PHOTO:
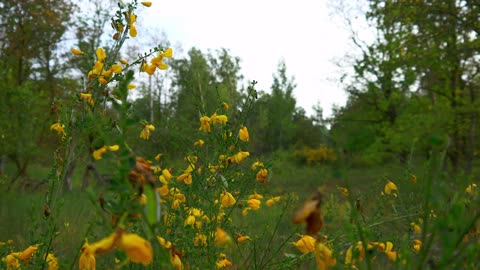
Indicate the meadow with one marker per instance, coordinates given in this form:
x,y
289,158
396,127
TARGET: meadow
x,y
223,179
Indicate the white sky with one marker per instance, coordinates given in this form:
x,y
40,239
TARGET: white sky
x,y
261,33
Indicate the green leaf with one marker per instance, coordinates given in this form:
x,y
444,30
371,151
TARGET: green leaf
x,y
152,207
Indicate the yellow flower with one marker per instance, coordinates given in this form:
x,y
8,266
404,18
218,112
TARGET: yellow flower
x,y
238,157
116,68
257,164
12,261
87,259
76,51
254,204
416,228
262,175
255,196
243,134
59,128
389,187
200,239
131,86
323,256
205,124
137,249
273,200
52,262
306,244
97,154
199,143
145,134
417,244
189,221
104,245
113,148
168,53
359,254
392,255
222,238
243,238
175,260
471,189
147,4
223,262
123,61
227,199
158,62
219,119
164,243
225,106
101,55
87,98
131,20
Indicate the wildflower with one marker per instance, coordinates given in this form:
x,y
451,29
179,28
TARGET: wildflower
x,y
113,148
101,55
11,261
227,199
238,157
256,196
219,119
262,175
257,164
87,98
158,157
87,259
77,51
116,68
205,124
272,201
471,189
123,61
147,4
243,134
131,20
145,133
222,238
52,261
323,256
243,238
344,190
245,211
254,204
97,154
306,244
414,179
149,69
59,128
389,187
416,228
165,177
186,177
225,106
175,260
392,255
223,262
189,221
199,143
353,256
137,249
417,244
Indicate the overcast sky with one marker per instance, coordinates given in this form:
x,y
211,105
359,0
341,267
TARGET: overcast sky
x,y
261,33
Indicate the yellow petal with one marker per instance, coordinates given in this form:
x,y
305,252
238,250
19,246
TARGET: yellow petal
x,y
137,249
76,51
147,4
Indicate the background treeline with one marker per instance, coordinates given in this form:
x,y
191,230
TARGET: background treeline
x,y
414,87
